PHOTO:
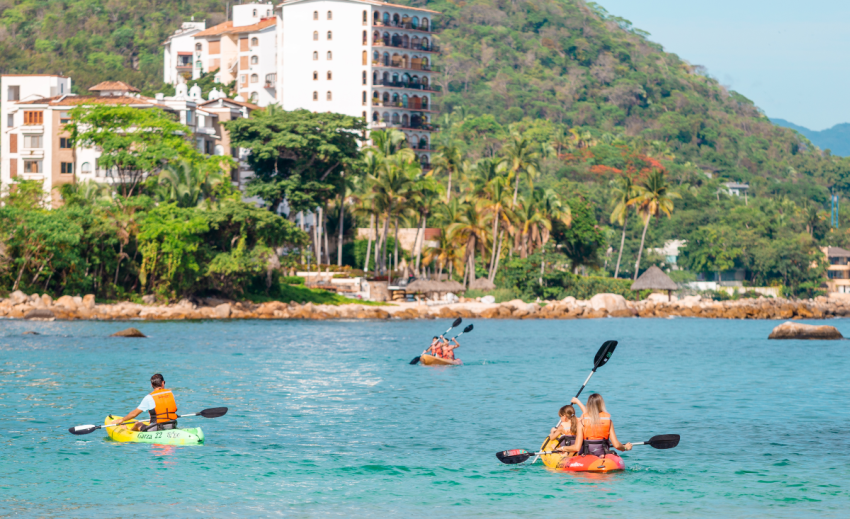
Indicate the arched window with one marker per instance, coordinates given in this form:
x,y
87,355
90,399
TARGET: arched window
x,y
330,75
198,46
425,44
386,77
255,78
396,118
315,56
424,24
365,58
405,41
364,77
386,97
330,35
364,97
315,15
377,18
423,160
423,143
315,75
365,37
386,18
364,115
424,102
330,15
254,13
254,97
375,96
85,169
425,81
255,42
199,64
415,22
386,59
386,38
395,99
374,117
255,60
330,55
329,96
315,96
385,117
395,19
404,121
365,17
404,100
315,35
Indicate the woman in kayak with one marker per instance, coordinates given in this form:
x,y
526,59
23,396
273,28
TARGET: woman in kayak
x,y
449,349
435,348
569,431
597,427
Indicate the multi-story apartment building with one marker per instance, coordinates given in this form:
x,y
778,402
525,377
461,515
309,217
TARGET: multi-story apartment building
x,y
178,51
34,144
241,50
362,58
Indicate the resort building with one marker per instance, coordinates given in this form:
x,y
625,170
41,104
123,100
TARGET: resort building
x,y
36,146
178,52
241,50
361,58
838,274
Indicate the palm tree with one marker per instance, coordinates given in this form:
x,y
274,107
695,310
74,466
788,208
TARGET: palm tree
x,y
520,158
449,160
471,230
622,195
425,193
653,198
497,204
531,222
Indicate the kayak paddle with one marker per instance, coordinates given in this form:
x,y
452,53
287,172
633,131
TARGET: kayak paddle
x,y
213,412
454,325
512,457
465,330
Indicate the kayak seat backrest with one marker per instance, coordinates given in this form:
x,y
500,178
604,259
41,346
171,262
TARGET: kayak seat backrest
x,y
164,426
598,448
566,441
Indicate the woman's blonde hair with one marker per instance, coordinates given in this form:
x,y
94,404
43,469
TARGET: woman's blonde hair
x,y
568,414
595,405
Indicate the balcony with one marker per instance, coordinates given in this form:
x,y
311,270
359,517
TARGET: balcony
x,y
32,128
408,26
271,79
414,125
406,66
407,85
398,44
401,106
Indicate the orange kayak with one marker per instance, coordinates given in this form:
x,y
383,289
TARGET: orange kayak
x,y
589,463
430,360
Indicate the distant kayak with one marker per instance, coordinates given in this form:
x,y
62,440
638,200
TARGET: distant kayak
x,y
430,360
589,463
122,433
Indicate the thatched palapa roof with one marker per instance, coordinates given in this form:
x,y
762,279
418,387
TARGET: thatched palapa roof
x,y
483,284
654,279
423,285
452,286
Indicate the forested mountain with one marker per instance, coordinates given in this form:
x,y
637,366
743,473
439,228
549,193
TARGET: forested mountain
x,y
835,139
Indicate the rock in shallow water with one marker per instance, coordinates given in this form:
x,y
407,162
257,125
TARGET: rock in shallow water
x,y
129,332
792,330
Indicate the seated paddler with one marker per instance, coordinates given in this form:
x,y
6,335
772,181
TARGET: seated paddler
x,y
598,428
161,406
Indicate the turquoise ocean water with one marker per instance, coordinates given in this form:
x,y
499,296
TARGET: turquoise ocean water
x,y
328,419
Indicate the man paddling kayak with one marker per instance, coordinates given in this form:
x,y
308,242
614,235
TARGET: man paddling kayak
x,y
449,349
161,406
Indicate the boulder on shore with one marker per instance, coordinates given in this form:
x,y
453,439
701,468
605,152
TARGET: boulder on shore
x,y
40,314
129,332
792,330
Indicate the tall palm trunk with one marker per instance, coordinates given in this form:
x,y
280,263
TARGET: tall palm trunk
x,y
449,188
421,243
377,246
516,186
622,244
395,246
498,256
339,241
325,234
373,225
301,217
493,253
471,247
640,251
385,243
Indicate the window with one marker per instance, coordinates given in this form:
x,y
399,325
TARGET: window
x,y
67,168
10,120
198,47
329,96
33,141
64,118
33,118
315,15
208,147
364,77
330,75
315,96
315,55
330,15
85,169
315,75
255,60
243,79
254,13
32,166
330,55
330,35
255,97
315,35
14,93
188,117
364,115
365,58
365,19
365,37
255,78
198,64
65,143
364,97
255,42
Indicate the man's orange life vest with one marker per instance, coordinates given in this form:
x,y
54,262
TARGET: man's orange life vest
x,y
166,407
600,431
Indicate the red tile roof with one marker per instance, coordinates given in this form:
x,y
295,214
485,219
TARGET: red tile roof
x,y
228,28
113,85
74,100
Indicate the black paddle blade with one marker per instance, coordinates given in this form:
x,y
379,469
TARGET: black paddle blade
x,y
467,329
513,457
604,353
414,361
457,322
214,412
83,429
664,441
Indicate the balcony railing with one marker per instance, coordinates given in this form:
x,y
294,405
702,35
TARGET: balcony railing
x,y
406,84
409,126
401,45
271,79
406,66
399,104
403,25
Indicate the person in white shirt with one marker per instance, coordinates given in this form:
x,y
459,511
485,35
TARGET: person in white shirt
x,y
161,406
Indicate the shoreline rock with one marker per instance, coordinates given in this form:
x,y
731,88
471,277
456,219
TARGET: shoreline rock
x,y
792,330
66,308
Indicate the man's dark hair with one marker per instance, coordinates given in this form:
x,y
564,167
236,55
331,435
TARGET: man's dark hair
x,y
157,380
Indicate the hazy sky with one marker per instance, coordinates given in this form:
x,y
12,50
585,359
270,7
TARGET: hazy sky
x,y
790,57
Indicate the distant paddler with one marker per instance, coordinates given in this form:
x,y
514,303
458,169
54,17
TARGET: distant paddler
x,y
161,406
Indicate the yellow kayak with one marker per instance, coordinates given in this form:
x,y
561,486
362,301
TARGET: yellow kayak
x,y
122,433
430,360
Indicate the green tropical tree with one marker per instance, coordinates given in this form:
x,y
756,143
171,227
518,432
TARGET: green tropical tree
x,y
653,198
520,158
622,197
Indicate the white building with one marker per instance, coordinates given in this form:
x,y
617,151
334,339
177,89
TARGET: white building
x,y
361,58
242,50
178,50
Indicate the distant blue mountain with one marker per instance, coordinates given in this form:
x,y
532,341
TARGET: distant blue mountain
x,y
835,139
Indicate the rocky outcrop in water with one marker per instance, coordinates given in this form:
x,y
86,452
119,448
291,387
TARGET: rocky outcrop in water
x,y
790,330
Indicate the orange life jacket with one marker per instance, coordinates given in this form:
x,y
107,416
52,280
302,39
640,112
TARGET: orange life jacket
x,y
166,407
597,432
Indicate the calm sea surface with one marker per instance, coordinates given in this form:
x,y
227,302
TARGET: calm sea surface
x,y
328,419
